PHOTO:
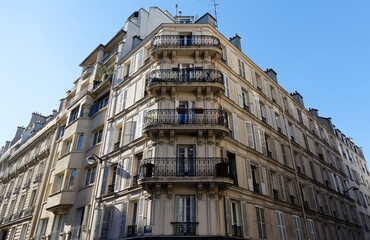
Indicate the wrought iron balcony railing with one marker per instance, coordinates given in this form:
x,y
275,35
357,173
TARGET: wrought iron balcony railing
x,y
184,167
184,228
171,41
237,231
186,76
131,230
185,116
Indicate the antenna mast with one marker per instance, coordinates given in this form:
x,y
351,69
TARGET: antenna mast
x,y
215,6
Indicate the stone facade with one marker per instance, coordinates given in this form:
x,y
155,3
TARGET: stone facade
x,y
185,137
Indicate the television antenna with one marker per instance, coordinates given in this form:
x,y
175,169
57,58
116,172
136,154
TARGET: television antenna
x,y
215,4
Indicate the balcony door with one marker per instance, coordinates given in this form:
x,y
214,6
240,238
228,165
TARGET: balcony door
x,y
184,115
186,39
186,160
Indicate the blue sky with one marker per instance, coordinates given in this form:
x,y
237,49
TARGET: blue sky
x,y
319,48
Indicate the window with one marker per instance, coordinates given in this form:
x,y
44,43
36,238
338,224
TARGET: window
x,y
90,176
134,213
12,233
298,227
79,142
58,182
285,160
67,146
61,131
41,229
23,231
281,225
58,227
102,103
122,100
235,210
32,198
260,213
74,114
249,133
72,177
185,210
99,104
312,230
241,68
21,203
227,88
11,208
97,137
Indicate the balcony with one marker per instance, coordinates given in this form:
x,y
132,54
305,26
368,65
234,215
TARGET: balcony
x,y
184,228
198,169
186,120
60,200
185,80
186,45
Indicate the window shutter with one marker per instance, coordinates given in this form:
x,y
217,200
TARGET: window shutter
x,y
235,127
132,65
263,85
252,107
254,78
268,115
287,189
273,116
288,127
262,179
228,216
106,220
272,148
283,129
240,97
259,113
281,186
245,219
257,139
263,142
140,58
227,88
268,89
141,123
269,182
110,141
339,185
240,66
140,216
249,174
143,86
295,134
128,171
122,233
98,224
249,132
129,132
298,227
104,181
117,186
296,192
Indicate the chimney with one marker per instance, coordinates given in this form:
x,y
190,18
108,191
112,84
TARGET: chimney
x,y
298,97
272,74
314,112
236,41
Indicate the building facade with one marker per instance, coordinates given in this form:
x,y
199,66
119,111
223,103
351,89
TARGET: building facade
x,y
185,136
